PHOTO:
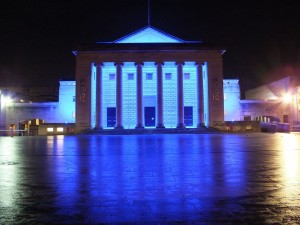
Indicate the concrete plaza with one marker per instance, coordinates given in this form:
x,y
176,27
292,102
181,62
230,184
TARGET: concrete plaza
x,y
249,178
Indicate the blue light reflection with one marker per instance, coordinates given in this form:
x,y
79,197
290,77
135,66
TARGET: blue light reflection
x,y
161,174
113,179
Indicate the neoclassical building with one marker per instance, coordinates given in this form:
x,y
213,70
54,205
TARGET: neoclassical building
x,y
149,79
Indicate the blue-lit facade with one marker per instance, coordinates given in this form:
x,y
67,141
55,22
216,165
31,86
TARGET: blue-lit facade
x,y
149,79
149,96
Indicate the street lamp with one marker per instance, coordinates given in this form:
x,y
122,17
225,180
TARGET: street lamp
x,y
288,100
4,101
2,126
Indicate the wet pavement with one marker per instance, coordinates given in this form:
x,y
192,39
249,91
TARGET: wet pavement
x,y
151,179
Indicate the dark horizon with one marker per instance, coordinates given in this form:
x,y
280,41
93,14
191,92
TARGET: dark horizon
x,y
262,40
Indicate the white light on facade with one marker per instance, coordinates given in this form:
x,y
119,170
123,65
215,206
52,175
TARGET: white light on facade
x,y
60,129
50,129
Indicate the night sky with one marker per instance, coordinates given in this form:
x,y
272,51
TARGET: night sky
x,y
262,38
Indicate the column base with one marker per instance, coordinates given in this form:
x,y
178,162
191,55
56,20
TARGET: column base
x,y
139,126
160,126
200,125
181,126
119,127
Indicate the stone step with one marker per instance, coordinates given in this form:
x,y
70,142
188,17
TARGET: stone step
x,y
150,131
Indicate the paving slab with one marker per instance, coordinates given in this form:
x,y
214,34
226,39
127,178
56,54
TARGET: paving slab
x,y
246,178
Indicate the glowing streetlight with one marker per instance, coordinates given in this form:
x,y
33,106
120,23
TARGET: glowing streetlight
x,y
6,100
287,98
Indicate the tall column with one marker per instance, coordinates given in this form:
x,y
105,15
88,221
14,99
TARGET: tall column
x,y
119,96
180,103
1,111
159,96
200,95
99,96
139,95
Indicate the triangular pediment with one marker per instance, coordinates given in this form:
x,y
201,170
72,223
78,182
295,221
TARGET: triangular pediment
x,y
149,35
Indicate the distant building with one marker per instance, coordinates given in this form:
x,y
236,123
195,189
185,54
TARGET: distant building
x,y
149,79
232,97
53,115
17,114
276,101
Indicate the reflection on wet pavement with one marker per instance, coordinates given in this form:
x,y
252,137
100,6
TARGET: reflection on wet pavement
x,y
152,179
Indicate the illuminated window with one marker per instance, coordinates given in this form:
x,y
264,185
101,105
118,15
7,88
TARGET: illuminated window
x,y
168,76
74,98
60,129
149,76
186,76
130,76
73,114
112,76
50,129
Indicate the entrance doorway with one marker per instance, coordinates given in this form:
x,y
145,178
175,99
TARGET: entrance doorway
x,y
188,115
149,116
111,116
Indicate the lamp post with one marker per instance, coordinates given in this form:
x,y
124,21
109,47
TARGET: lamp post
x,y
4,101
288,100
291,116
1,114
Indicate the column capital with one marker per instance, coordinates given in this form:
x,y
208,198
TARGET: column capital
x,y
179,63
159,63
138,63
199,63
119,64
98,64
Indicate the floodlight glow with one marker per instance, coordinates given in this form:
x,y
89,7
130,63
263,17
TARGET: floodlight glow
x,y
7,100
287,98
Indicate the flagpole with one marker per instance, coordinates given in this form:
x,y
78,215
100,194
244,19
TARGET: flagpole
x,y
148,13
